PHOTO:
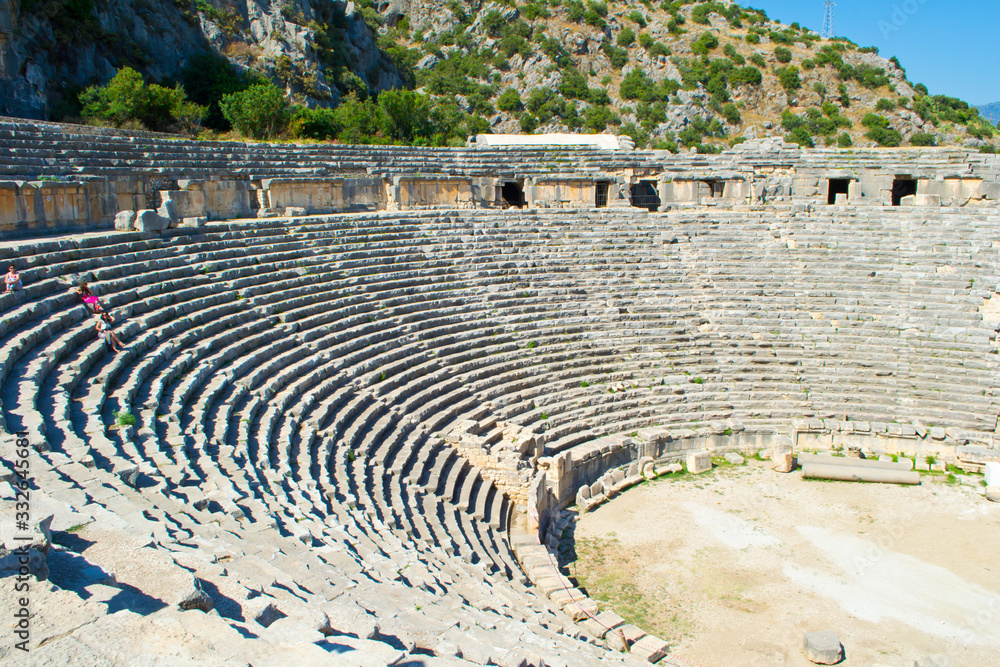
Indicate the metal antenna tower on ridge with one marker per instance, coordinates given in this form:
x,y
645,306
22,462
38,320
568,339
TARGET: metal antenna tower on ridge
x,y
828,23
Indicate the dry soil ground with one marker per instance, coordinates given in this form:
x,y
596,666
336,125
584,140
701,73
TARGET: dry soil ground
x,y
734,565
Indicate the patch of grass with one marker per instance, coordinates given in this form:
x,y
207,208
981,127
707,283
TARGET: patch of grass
x,y
125,418
532,345
605,569
584,384
77,528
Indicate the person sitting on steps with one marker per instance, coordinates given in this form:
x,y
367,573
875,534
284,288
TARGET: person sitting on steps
x,y
12,280
89,299
105,328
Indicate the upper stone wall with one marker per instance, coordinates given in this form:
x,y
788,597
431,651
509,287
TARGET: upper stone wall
x,y
59,177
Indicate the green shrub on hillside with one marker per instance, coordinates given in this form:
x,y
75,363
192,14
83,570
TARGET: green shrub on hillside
x,y
706,42
127,99
800,136
782,54
733,55
758,60
259,112
617,56
659,49
509,101
645,41
731,114
320,124
599,117
880,131
626,37
635,16
207,78
923,139
845,97
746,76
594,16
574,11
844,140
885,105
789,78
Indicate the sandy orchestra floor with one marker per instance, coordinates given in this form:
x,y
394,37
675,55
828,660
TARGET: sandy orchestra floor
x,y
733,566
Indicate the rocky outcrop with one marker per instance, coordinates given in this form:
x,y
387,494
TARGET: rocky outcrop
x,y
47,54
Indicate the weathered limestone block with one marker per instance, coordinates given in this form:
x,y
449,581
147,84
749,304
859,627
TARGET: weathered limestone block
x,y
649,648
646,467
822,648
170,212
699,462
992,470
735,459
149,220
125,221
782,458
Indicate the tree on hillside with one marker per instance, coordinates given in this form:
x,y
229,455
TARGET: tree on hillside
x,y
208,78
259,112
127,100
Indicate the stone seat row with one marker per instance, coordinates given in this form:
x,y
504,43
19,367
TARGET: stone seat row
x,y
363,416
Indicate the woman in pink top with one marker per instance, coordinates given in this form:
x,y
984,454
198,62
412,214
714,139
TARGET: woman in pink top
x,y
89,299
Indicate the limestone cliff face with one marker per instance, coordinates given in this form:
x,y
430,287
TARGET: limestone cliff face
x,y
51,48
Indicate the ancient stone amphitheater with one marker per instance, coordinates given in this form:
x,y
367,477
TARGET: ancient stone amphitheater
x,y
368,381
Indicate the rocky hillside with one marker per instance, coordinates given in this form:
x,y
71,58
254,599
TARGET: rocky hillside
x,y
676,75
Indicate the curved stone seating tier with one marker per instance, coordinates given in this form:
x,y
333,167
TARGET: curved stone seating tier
x,y
34,149
297,383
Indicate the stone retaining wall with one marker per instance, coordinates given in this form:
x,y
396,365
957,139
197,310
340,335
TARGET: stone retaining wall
x,y
317,178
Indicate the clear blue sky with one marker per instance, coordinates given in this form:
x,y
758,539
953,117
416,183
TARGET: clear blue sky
x,y
949,46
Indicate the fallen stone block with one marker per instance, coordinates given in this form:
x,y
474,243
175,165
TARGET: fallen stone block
x,y
125,221
993,494
194,222
650,648
939,660
822,648
194,597
783,462
735,459
168,211
699,462
148,220
992,473
295,210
